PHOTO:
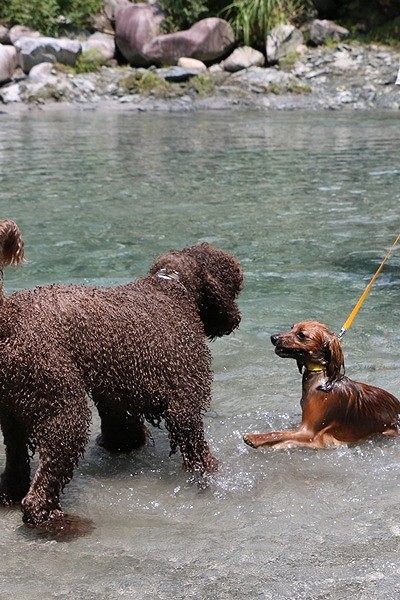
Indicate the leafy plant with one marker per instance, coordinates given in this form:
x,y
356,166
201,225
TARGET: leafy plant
x,y
253,19
182,14
44,15
38,14
79,12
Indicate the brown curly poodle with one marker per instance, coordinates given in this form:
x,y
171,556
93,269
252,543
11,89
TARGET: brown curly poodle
x,y
138,350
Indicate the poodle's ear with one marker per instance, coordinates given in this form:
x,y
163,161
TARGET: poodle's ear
x,y
222,280
218,310
334,356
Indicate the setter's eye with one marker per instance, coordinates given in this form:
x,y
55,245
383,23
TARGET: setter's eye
x,y
301,335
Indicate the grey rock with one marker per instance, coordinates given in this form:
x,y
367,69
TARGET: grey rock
x,y
32,51
42,73
177,74
102,43
20,31
11,93
192,64
323,30
243,58
281,40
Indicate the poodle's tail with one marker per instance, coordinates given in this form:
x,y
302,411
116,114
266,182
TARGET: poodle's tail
x,y
11,247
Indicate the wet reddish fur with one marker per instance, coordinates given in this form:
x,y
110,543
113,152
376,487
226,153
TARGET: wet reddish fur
x,y
139,350
335,409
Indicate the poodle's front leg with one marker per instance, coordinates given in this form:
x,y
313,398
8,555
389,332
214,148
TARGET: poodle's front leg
x,y
15,480
61,442
186,431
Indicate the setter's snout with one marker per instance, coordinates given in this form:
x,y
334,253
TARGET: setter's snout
x,y
275,339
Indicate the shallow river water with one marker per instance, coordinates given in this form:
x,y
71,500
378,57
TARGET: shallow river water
x,y
309,203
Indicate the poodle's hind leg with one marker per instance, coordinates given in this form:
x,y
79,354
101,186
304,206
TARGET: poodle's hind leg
x,y
121,431
15,480
61,441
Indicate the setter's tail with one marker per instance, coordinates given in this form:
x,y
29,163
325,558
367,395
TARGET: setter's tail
x,y
11,246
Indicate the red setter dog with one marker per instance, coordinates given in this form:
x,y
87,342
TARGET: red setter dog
x,y
336,410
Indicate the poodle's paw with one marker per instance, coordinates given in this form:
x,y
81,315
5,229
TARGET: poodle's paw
x,y
36,510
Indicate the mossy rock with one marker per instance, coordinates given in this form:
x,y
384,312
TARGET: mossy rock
x,y
203,85
145,83
90,61
47,92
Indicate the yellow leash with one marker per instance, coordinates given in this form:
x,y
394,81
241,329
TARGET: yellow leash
x,y
357,307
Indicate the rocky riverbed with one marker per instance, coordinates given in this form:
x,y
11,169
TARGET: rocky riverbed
x,y
344,77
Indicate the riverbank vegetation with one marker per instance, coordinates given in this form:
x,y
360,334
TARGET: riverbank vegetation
x,y
367,20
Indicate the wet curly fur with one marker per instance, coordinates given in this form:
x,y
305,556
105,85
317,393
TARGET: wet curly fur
x,y
139,350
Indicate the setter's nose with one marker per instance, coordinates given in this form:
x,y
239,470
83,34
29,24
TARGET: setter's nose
x,y
274,339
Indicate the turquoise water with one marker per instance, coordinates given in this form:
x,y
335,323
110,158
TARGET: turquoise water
x,y
309,203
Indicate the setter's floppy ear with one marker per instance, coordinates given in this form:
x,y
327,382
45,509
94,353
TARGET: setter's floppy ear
x,y
334,356
11,244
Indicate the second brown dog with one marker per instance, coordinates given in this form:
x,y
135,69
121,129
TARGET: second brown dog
x,y
335,409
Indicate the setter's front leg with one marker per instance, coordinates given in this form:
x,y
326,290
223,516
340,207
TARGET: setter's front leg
x,y
301,437
281,439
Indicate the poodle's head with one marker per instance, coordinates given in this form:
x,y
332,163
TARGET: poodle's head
x,y
213,277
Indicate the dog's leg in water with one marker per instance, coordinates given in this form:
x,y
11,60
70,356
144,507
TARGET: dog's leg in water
x,y
283,439
121,431
61,441
186,431
15,480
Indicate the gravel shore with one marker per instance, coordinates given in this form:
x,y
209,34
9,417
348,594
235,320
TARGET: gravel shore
x,y
359,77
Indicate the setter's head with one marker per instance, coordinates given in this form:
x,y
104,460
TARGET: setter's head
x,y
311,343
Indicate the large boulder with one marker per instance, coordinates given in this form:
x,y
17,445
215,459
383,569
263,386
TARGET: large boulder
x,y
33,51
104,21
282,40
135,26
8,63
207,40
323,30
112,7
